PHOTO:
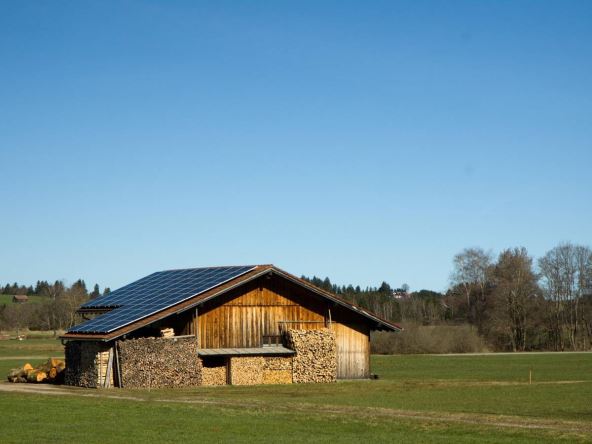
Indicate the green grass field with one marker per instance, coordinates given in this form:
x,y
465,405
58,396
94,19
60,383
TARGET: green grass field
x,y
419,398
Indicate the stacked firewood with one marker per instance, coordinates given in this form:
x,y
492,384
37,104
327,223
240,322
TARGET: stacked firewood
x,y
316,355
51,372
159,362
213,375
246,370
82,369
277,370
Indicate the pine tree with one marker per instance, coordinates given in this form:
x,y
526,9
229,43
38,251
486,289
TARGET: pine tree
x,y
96,292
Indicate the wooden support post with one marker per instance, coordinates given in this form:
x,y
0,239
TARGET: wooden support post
x,y
117,366
195,322
530,376
108,370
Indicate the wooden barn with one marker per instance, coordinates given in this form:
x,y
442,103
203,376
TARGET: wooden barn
x,y
219,325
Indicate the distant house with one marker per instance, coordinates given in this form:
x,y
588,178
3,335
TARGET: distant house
x,y
20,299
399,293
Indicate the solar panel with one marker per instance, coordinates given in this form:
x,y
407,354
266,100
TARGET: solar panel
x,y
152,294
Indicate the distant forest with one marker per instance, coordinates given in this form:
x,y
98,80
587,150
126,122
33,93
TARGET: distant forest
x,y
508,303
511,303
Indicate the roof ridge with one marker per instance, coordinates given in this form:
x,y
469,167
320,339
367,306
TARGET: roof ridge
x,y
213,267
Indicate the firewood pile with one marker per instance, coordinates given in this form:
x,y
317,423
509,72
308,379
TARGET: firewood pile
x,y
277,370
213,375
50,372
316,355
82,366
246,370
167,332
159,362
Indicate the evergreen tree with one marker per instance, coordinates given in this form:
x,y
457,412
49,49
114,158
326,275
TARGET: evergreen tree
x,y
385,288
96,292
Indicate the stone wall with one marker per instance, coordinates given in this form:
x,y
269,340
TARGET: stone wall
x,y
316,355
159,362
82,367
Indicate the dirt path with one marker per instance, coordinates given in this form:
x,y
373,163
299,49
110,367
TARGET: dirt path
x,y
352,412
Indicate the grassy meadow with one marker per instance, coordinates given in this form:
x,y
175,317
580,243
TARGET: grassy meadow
x,y
418,398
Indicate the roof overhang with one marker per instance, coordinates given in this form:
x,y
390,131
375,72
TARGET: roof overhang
x,y
381,324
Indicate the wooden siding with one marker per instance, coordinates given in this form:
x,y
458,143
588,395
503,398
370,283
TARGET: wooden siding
x,y
261,308
353,351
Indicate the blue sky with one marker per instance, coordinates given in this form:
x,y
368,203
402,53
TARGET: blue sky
x,y
364,141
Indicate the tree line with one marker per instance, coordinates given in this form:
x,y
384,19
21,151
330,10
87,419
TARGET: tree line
x,y
55,310
512,301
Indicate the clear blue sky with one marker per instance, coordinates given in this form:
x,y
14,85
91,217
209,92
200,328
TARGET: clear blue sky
x,y
364,141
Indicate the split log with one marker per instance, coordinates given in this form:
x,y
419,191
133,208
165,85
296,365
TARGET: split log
x,y
36,376
16,373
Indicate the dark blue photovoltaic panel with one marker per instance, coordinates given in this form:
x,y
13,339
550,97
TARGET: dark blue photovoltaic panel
x,y
152,294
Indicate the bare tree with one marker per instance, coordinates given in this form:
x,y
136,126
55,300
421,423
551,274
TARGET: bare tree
x,y
566,275
51,309
470,273
515,294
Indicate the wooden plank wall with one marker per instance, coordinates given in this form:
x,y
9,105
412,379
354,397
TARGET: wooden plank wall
x,y
259,309
353,351
242,317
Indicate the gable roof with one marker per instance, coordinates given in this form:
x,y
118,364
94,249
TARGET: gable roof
x,y
163,293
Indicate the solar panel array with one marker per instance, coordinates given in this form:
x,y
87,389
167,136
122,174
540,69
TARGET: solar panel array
x,y
154,293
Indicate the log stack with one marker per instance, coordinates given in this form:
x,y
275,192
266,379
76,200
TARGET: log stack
x,y
213,375
277,370
51,372
316,355
82,363
159,362
246,370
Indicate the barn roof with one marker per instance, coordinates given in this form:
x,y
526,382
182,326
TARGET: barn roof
x,y
165,292
152,294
